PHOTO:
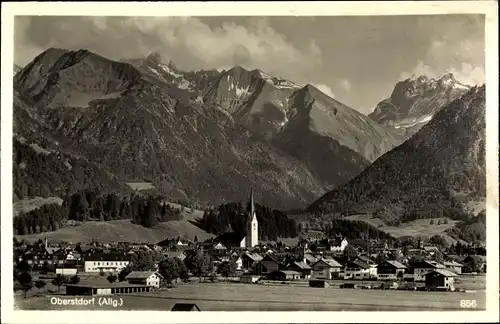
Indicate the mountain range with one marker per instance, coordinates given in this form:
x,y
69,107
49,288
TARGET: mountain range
x,y
129,124
83,120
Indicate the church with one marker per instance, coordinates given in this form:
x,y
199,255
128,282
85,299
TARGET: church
x,y
252,227
247,239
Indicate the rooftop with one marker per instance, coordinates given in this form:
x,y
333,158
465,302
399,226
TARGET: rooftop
x,y
396,264
290,272
330,262
109,285
141,274
445,273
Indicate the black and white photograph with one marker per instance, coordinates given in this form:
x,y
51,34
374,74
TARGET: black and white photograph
x,y
243,162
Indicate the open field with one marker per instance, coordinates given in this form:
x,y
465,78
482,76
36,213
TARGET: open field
x,y
253,297
141,185
27,205
121,230
420,227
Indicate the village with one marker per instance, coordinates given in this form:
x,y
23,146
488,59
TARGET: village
x,y
130,268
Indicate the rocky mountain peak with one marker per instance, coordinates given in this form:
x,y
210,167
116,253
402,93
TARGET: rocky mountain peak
x,y
415,100
154,58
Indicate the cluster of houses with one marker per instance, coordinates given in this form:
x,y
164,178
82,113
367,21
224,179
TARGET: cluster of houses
x,y
276,262
253,261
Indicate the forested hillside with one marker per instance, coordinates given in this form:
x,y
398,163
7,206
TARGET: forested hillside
x,y
92,206
232,217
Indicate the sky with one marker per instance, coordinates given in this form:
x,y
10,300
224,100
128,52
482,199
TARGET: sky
x,y
355,59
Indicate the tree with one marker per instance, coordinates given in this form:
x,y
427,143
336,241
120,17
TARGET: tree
x,y
74,279
59,280
350,252
227,269
23,266
381,257
171,269
112,278
124,273
25,283
39,284
199,264
145,260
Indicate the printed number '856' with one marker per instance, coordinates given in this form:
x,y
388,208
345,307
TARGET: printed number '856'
x,y
468,303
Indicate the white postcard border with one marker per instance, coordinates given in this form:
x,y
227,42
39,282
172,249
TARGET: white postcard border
x,y
489,8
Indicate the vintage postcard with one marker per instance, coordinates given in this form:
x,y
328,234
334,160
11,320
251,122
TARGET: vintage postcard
x,y
298,162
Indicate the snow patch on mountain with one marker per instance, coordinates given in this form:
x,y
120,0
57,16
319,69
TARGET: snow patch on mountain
x,y
422,120
170,71
240,92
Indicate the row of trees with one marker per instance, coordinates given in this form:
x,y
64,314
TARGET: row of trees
x,y
44,219
232,217
90,205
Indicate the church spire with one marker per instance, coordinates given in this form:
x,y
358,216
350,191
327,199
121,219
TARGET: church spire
x,y
252,206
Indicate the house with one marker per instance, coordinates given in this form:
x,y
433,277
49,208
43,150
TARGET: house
x,y
68,268
310,259
181,255
104,289
431,250
453,266
318,284
390,270
66,271
249,278
420,269
73,255
282,275
266,266
182,243
106,262
238,261
148,278
219,256
232,240
359,270
326,268
366,259
440,279
249,259
181,307
339,246
301,267
219,246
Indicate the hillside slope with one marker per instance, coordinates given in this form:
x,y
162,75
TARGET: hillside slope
x,y
431,174
121,230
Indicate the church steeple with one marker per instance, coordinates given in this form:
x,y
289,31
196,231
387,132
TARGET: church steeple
x,y
252,206
252,230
